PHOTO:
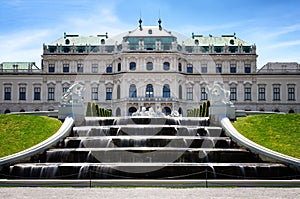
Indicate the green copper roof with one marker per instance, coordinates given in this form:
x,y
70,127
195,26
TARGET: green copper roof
x,y
18,65
153,32
229,40
77,40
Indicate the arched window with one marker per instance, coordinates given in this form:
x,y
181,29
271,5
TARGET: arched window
x,y
6,111
179,67
118,92
291,111
167,110
149,90
149,66
180,92
119,67
132,91
166,91
131,110
132,66
118,112
166,66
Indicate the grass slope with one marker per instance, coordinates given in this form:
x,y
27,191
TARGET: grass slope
x,y
279,132
19,132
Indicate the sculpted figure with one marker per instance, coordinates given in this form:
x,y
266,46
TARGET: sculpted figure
x,y
74,95
218,95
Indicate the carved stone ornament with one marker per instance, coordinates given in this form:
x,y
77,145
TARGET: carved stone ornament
x,y
74,95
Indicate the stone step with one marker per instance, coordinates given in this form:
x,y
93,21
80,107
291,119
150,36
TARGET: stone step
x,y
151,171
108,121
148,155
147,130
147,141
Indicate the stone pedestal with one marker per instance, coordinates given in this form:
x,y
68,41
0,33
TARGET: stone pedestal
x,y
78,112
222,110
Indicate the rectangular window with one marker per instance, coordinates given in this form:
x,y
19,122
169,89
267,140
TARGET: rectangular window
x,y
189,93
261,93
247,68
7,93
291,93
276,93
218,68
66,68
65,89
108,93
232,68
203,68
109,68
94,93
51,68
37,93
189,68
247,94
233,96
51,92
22,93
94,68
203,94
79,68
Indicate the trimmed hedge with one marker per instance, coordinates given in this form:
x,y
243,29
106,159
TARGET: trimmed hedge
x,y
94,110
202,111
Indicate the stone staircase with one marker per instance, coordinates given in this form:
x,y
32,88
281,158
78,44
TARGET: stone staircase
x,y
147,148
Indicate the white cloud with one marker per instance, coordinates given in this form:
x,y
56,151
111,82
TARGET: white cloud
x,y
27,45
284,44
23,46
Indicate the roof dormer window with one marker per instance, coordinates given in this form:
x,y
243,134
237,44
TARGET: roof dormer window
x,y
150,32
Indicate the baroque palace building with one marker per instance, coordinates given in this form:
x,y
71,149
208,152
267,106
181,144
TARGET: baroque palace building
x,y
149,67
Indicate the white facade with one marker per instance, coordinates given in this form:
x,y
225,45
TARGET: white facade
x,y
151,67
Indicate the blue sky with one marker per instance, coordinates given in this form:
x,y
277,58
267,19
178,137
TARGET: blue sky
x,y
273,25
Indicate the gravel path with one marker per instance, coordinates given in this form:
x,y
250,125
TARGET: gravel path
x,y
149,193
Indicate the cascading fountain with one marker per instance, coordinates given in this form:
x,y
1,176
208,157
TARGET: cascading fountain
x,y
147,145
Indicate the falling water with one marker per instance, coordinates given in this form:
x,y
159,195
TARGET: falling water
x,y
213,172
48,171
203,156
84,172
242,169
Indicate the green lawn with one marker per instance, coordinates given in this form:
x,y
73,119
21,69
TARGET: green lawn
x,y
19,132
279,132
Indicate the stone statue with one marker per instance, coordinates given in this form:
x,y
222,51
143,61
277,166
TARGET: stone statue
x,y
74,95
175,114
220,106
159,112
218,95
141,45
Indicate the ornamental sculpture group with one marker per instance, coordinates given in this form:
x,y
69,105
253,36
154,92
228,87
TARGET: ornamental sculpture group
x,y
151,113
72,102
